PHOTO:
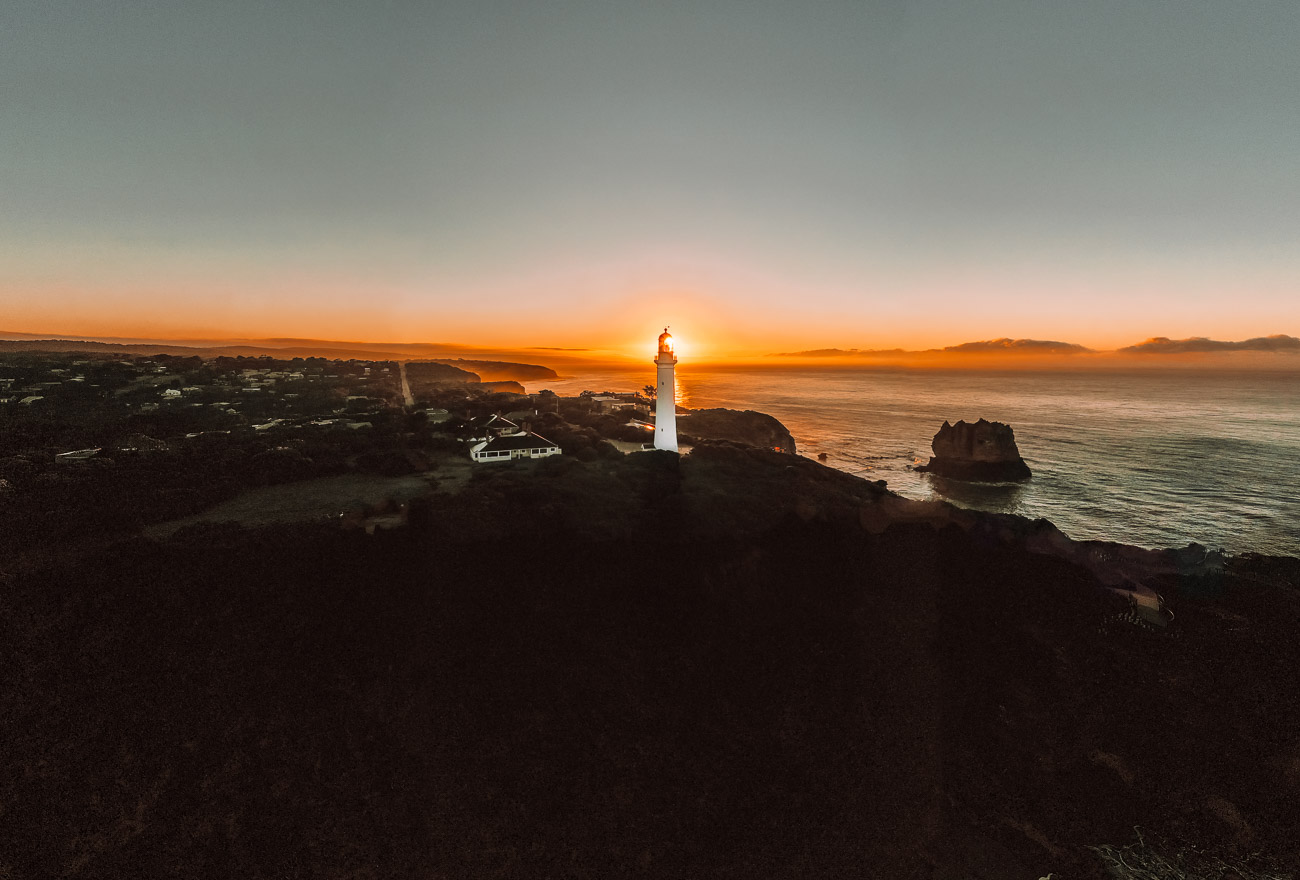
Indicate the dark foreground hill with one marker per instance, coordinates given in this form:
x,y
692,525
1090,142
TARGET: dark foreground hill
x,y
743,665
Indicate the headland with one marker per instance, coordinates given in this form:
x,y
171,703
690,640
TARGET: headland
x,y
732,663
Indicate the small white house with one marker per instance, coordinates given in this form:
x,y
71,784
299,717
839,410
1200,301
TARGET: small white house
x,y
509,447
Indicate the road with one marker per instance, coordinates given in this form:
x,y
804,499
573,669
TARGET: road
x,y
406,386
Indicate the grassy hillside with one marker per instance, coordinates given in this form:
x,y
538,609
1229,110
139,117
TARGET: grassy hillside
x,y
634,667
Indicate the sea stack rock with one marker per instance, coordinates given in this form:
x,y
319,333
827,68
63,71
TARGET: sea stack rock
x,y
984,452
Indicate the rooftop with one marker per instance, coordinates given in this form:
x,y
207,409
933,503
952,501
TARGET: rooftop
x,y
509,442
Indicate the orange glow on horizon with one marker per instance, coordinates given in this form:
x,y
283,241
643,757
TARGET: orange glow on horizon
x,y
622,330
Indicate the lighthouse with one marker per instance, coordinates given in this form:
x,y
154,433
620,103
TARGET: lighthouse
x,y
665,395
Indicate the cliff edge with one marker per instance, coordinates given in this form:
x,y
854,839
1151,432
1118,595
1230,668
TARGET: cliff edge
x,y
805,675
747,426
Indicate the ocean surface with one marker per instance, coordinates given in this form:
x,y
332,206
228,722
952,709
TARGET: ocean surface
x,y
1156,459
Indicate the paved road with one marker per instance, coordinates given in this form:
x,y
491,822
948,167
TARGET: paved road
x,y
406,386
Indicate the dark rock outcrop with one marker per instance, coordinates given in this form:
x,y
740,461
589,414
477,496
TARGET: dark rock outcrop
x,y
507,385
748,427
983,452
497,371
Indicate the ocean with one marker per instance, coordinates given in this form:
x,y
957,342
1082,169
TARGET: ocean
x,y
1155,459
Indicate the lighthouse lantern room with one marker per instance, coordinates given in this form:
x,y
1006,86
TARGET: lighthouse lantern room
x,y
666,395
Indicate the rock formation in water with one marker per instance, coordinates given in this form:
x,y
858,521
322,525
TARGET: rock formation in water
x,y
983,452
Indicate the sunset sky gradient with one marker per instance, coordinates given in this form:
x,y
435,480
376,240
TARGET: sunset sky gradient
x,y
763,176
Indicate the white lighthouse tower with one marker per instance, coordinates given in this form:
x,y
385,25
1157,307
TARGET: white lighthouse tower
x,y
666,395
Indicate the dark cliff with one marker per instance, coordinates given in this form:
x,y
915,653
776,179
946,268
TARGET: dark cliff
x,y
501,371
421,373
749,427
809,677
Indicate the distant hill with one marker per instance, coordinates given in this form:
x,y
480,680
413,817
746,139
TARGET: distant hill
x,y
150,348
431,372
1201,345
488,370
991,349
290,346
1002,346
496,371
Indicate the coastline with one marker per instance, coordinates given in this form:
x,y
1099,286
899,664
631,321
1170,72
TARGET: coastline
x,y
1123,460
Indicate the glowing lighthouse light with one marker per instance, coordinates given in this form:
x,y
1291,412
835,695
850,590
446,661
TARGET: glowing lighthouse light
x,y
665,395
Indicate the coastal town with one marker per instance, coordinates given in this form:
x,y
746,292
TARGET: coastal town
x,y
97,443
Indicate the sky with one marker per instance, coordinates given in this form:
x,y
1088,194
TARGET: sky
x,y
762,176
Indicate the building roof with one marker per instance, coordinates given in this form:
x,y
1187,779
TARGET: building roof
x,y
497,422
77,454
510,442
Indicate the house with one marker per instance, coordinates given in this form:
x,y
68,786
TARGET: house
x,y
482,429
612,402
609,403
172,393
509,447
